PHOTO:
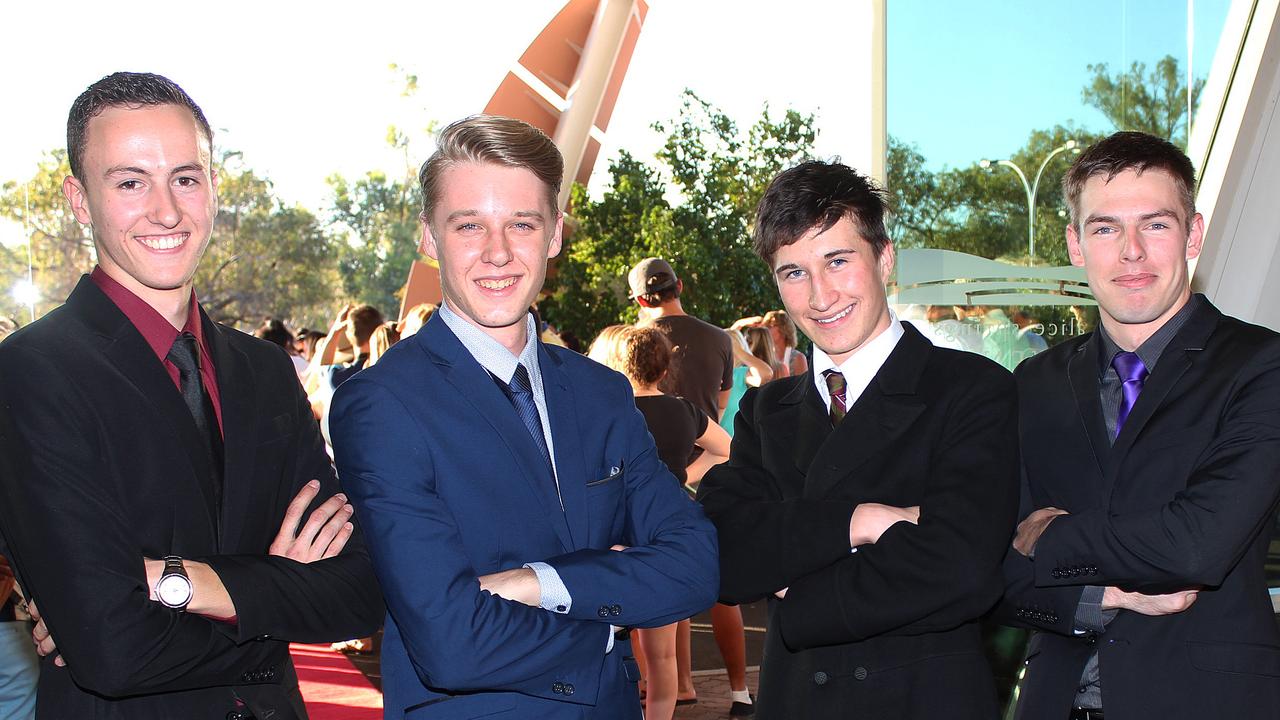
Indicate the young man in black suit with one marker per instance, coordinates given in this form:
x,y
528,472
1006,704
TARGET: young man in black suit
x,y
872,496
153,462
1151,451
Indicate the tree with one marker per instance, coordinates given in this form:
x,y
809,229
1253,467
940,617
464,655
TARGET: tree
x,y
382,215
61,248
717,175
1153,102
265,258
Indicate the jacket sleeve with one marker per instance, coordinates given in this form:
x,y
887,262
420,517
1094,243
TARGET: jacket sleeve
x,y
938,574
766,542
458,637
71,542
669,570
1199,534
322,601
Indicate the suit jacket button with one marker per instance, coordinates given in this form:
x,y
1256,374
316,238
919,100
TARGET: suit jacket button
x,y
568,688
615,610
819,678
561,608
1055,573
859,673
603,611
557,688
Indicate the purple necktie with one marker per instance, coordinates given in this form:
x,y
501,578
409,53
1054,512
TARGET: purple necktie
x,y
1132,374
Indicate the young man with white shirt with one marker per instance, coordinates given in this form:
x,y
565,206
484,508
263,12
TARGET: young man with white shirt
x,y
871,497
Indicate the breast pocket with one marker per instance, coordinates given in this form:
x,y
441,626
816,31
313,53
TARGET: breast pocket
x,y
606,505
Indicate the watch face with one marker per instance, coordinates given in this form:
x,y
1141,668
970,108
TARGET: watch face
x,y
174,590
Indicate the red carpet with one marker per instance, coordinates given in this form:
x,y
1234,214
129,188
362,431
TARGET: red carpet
x,y
332,687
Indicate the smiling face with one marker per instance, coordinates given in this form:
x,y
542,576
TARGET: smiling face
x,y
149,192
1134,244
492,230
832,285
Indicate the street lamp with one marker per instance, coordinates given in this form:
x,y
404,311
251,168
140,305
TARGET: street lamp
x,y
1032,189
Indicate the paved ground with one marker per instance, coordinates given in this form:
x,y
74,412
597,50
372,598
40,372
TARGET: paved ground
x,y
713,694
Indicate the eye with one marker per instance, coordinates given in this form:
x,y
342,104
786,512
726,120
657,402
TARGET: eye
x,y
1103,230
187,181
524,226
1159,226
838,262
468,227
793,274
130,185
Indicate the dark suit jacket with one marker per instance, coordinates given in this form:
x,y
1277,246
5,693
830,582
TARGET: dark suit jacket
x,y
98,472
888,631
449,485
1185,497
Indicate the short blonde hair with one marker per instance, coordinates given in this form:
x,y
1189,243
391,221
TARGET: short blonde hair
x,y
491,139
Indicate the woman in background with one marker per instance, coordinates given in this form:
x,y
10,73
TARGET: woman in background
x,y
783,332
644,356
753,360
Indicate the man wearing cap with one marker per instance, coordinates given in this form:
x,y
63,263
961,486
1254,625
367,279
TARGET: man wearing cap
x,y
702,373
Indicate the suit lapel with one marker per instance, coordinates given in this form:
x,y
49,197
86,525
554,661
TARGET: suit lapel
x,y
1178,358
473,383
801,423
1082,373
570,465
884,411
128,352
236,389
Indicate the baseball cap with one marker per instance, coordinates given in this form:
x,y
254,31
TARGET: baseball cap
x,y
651,275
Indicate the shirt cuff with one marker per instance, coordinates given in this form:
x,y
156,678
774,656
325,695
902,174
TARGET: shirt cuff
x,y
1089,615
608,647
555,596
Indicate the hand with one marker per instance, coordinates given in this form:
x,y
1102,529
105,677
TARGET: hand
x,y
41,637
325,533
1114,598
870,520
340,322
782,594
746,322
1029,530
7,581
518,584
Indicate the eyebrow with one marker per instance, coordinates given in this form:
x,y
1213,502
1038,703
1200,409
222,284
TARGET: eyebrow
x,y
456,214
134,170
782,269
1145,216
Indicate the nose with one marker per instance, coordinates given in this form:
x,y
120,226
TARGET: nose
x,y
1134,248
821,294
497,249
163,209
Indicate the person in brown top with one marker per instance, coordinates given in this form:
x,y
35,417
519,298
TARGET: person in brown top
x,y
702,373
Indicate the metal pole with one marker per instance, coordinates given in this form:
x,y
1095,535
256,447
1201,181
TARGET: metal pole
x,y
26,229
1031,210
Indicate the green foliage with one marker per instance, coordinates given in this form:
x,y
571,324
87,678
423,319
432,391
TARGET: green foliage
x,y
265,259
61,247
702,226
382,216
1153,102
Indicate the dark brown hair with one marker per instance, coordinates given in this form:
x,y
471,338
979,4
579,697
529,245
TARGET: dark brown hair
x,y
818,194
364,320
1128,150
124,89
646,355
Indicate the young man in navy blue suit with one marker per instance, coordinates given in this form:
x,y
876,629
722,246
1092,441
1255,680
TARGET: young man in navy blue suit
x,y
516,510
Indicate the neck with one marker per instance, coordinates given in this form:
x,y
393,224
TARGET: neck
x,y
669,308
644,390
1130,336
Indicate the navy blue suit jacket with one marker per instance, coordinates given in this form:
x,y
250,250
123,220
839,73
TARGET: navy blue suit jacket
x,y
449,485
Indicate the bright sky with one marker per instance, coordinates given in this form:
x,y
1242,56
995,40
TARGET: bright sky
x,y
305,91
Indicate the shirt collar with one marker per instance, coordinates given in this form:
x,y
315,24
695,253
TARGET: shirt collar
x,y
1150,350
860,367
493,355
155,329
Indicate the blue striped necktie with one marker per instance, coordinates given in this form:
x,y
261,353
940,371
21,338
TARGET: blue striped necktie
x,y
520,393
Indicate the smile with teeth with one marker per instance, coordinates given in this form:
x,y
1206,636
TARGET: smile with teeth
x,y
497,284
163,242
833,318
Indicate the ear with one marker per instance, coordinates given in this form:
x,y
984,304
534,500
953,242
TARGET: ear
x,y
558,238
78,199
1195,238
1073,246
428,242
887,261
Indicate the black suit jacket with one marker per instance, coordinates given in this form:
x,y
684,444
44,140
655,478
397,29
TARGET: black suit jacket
x,y
1185,497
888,631
98,473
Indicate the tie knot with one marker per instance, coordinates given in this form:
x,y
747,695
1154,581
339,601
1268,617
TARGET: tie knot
x,y
1129,366
520,381
835,382
185,353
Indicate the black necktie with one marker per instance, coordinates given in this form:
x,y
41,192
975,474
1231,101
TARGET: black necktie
x,y
520,393
185,355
